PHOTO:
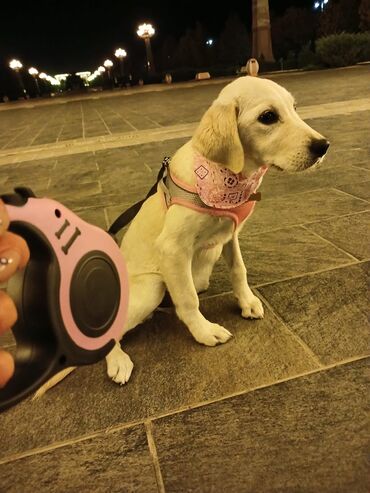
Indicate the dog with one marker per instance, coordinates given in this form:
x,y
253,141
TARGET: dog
x,y
171,245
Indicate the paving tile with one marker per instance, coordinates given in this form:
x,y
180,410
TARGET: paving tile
x,y
354,156
302,208
94,216
307,435
124,178
70,191
83,160
73,171
277,255
278,184
116,462
328,311
117,156
171,371
32,174
351,233
361,190
71,131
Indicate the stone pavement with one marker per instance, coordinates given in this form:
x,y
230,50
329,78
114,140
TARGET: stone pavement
x,y
279,408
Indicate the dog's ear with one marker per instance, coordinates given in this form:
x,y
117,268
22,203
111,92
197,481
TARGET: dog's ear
x,y
217,137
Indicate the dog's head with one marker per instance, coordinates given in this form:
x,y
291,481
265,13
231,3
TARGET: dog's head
x,y
254,122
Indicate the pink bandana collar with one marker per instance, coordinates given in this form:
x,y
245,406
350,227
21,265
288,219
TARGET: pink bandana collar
x,y
219,187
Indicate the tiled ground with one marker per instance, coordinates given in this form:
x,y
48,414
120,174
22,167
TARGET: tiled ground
x,y
282,406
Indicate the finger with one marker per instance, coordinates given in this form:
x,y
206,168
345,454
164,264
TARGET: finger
x,y
4,219
6,367
8,312
14,254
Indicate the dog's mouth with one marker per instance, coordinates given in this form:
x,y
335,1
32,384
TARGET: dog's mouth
x,y
303,167
275,166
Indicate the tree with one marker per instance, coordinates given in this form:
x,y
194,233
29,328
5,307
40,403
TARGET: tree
x,y
234,45
364,14
191,50
167,53
292,30
339,16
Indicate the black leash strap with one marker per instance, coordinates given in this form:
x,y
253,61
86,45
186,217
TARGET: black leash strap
x,y
128,215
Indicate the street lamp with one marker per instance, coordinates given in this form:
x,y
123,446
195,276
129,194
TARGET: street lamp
x,y
34,72
320,4
146,31
16,66
108,64
120,54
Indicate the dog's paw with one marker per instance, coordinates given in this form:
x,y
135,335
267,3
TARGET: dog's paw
x,y
119,367
211,334
253,309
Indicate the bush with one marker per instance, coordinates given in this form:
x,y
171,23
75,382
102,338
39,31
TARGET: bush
x,y
222,71
183,74
291,61
307,58
339,50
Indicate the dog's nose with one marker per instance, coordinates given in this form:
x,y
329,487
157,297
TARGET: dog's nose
x,y
318,147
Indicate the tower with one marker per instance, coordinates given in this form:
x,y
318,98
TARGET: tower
x,y
261,42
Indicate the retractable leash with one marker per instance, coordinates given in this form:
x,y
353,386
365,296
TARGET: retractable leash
x,y
71,298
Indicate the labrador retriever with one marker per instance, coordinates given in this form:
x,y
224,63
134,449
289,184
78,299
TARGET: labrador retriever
x,y
180,232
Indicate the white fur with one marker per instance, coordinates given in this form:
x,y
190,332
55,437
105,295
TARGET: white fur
x,y
170,249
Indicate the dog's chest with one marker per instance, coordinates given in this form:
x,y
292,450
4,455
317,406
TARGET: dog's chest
x,y
218,232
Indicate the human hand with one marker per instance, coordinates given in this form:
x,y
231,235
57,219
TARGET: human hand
x,y
14,255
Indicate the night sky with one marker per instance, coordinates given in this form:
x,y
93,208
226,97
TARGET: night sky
x,y
65,36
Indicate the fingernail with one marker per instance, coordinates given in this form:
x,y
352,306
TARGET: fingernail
x,y
8,258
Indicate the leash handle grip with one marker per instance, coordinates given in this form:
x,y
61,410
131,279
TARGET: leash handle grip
x,y
71,298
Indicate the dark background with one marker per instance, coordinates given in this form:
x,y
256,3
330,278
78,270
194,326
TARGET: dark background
x,y
65,36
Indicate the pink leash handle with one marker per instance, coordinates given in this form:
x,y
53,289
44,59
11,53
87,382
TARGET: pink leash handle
x,y
71,298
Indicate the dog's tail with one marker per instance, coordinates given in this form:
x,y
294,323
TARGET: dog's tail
x,y
52,382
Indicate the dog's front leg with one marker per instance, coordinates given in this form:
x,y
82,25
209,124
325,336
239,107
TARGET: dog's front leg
x,y
249,303
175,260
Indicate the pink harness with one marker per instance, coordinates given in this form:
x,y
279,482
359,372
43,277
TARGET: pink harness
x,y
218,191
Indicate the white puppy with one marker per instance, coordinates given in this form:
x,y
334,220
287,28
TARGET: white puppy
x,y
253,122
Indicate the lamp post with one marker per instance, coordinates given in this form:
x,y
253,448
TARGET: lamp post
x,y
320,5
146,31
121,55
34,72
16,66
108,64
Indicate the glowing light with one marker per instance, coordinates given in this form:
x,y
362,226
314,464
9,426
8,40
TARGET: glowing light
x,y
15,64
52,80
209,42
83,75
120,53
108,63
101,69
33,71
145,31
61,77
320,4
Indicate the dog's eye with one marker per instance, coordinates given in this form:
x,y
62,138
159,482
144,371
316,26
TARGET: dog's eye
x,y
268,117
